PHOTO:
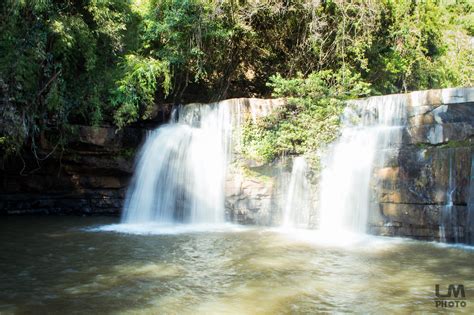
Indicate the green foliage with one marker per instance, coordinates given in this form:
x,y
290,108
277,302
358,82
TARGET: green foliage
x,y
308,121
416,48
57,63
455,67
461,14
110,61
135,93
128,154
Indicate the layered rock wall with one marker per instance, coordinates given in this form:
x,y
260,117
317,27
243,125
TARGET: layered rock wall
x,y
423,189
89,177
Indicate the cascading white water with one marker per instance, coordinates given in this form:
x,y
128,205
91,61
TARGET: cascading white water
x,y
370,128
181,168
297,205
448,218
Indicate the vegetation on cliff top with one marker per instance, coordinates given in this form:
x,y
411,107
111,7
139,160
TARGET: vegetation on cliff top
x,y
308,121
111,61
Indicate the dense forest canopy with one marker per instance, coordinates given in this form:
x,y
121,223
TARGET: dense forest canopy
x,y
110,61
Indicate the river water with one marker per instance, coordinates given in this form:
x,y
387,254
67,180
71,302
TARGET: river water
x,y
67,265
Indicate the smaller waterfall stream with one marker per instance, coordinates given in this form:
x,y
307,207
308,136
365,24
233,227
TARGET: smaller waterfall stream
x,y
448,226
297,205
469,233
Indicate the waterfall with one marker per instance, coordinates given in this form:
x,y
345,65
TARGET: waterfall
x,y
181,169
448,227
297,205
469,232
370,128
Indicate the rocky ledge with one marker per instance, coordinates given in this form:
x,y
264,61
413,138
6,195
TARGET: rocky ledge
x,y
89,177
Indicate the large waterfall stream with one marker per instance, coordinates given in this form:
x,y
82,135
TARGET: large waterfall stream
x,y
181,169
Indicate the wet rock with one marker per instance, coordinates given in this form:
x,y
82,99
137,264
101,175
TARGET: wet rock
x,y
412,186
250,200
436,134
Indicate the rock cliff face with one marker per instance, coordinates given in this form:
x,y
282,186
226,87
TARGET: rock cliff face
x,y
423,189
255,195
88,178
